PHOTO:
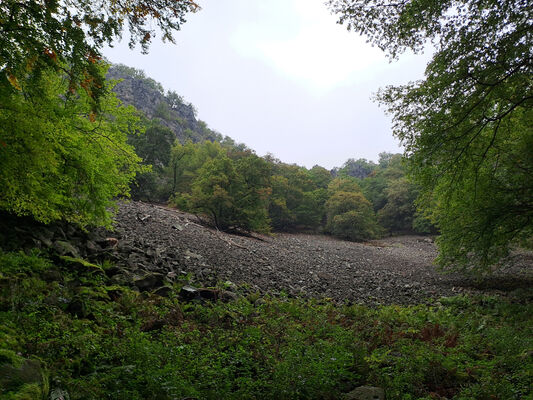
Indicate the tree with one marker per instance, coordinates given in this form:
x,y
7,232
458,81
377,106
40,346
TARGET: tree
x,y
357,168
63,150
320,176
67,35
468,126
279,213
398,214
350,216
154,147
56,162
233,193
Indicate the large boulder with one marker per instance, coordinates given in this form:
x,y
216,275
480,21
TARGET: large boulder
x,y
366,393
150,281
21,379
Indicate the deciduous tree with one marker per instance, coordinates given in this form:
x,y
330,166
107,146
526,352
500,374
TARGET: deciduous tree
x,y
68,35
468,126
57,159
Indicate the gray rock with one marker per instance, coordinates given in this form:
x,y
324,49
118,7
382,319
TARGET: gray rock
x,y
163,291
122,278
65,249
26,378
60,232
51,275
227,296
366,393
189,254
188,293
209,294
45,236
92,247
59,394
150,281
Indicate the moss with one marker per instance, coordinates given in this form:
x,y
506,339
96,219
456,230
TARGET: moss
x,y
30,391
11,358
8,339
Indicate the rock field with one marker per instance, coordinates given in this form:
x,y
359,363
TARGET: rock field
x,y
153,245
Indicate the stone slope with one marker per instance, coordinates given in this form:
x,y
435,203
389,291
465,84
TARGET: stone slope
x,y
153,246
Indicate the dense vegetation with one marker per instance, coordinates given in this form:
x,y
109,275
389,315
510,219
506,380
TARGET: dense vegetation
x,y
103,341
228,185
58,159
468,126
63,150
69,148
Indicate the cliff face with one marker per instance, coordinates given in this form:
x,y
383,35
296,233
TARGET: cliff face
x,y
148,96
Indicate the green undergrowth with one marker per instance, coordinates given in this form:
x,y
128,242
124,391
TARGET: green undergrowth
x,y
103,341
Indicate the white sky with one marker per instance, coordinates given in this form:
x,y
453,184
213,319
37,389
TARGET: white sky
x,y
280,76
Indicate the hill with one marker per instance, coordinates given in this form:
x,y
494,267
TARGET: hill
x,y
148,96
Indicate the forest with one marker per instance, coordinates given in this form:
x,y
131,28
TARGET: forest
x,y
87,312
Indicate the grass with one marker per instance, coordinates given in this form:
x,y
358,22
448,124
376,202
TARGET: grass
x,y
103,341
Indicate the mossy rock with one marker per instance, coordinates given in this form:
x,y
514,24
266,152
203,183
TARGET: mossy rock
x,y
21,379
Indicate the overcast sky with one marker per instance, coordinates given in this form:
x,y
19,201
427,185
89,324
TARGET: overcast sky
x,y
280,76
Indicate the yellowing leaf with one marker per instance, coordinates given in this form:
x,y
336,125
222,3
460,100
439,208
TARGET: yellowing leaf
x,y
13,80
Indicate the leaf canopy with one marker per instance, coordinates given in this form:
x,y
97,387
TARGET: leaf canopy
x,y
467,127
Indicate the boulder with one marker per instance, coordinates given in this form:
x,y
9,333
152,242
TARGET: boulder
x,y
163,291
366,393
209,294
150,281
45,236
226,296
189,293
21,378
64,248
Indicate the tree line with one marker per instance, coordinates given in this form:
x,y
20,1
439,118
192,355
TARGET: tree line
x,y
234,189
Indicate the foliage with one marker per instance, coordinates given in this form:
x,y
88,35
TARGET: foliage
x,y
399,211
154,147
186,161
343,185
127,345
234,193
467,127
228,185
357,168
298,196
69,35
58,160
349,213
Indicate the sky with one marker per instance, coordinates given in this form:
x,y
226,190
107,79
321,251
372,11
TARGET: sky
x,y
280,76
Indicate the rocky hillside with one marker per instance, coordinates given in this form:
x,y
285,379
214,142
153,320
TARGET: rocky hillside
x,y
147,95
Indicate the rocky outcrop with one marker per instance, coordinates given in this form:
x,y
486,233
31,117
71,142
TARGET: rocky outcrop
x,y
146,95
